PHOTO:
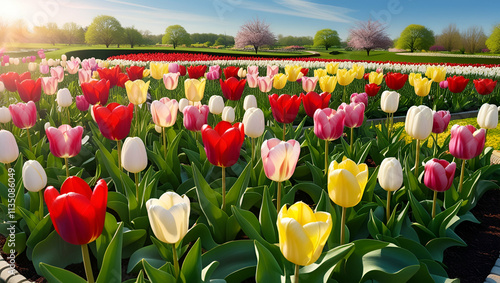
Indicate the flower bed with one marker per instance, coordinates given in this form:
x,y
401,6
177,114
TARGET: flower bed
x,y
229,190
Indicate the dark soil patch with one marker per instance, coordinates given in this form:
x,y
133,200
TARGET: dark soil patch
x,y
473,263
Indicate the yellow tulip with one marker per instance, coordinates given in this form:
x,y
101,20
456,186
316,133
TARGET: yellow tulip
x,y
279,80
158,70
346,182
332,68
360,71
320,73
328,83
293,72
422,86
375,78
302,233
146,73
345,77
137,91
413,76
194,89
435,73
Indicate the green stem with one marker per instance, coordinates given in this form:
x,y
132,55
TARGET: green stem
x,y
86,264
326,157
67,167
391,123
136,120
136,177
69,117
388,209
223,188
278,198
164,142
434,204
296,278
352,142
421,100
40,209
29,138
253,149
119,151
388,125
344,97
176,261
462,172
342,226
435,145
284,131
417,157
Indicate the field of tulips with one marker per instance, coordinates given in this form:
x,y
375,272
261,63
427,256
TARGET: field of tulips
x,y
199,169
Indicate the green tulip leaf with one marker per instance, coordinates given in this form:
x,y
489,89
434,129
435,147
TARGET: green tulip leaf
x,y
132,241
148,253
41,231
103,241
268,269
268,217
235,193
191,267
112,261
437,246
202,232
156,275
55,251
207,272
55,274
119,203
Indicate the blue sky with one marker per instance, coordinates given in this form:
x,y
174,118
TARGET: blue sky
x,y
287,17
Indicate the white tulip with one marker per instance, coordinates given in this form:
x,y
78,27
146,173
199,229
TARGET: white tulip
x,y
487,117
169,217
216,104
46,126
183,103
134,156
5,116
228,114
389,101
32,66
64,98
419,120
34,177
64,57
249,102
253,122
2,87
8,144
390,174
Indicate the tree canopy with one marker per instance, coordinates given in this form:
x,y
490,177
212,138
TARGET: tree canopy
x,y
327,38
369,35
176,35
104,30
493,42
256,33
415,37
132,36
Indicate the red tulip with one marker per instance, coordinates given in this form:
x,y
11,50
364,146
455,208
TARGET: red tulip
x,y
114,120
457,84
372,89
182,70
77,212
232,88
466,142
112,75
23,114
366,76
135,73
65,142
285,107
195,117
329,124
81,103
395,81
354,114
304,71
439,174
312,101
9,79
96,92
485,86
441,119
223,143
196,72
30,90
231,71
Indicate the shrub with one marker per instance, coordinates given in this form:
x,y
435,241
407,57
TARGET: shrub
x,y
436,48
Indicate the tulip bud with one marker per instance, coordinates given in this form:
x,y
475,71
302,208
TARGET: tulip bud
x,y
5,116
389,101
169,217
10,151
46,126
279,158
164,112
249,102
441,119
2,86
228,114
487,118
466,142
346,182
34,177
137,91
242,73
158,129
64,57
134,158
216,104
32,66
354,114
265,83
171,80
390,174
81,103
183,102
64,98
419,120
253,122
51,62
439,174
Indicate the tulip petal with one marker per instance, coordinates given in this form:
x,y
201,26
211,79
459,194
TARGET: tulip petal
x,y
295,245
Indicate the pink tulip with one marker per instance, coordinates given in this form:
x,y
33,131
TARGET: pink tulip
x,y
272,70
279,158
216,71
252,80
90,64
466,142
173,68
84,76
44,69
360,98
328,123
24,59
49,85
443,84
33,58
72,67
23,114
212,75
171,80
65,142
441,119
354,114
41,54
253,70
265,83
439,174
309,83
58,73
81,103
164,112
195,117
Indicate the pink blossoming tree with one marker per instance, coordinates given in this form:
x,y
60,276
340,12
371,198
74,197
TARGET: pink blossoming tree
x,y
369,35
255,33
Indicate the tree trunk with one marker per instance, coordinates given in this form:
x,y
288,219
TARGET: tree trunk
x,y
131,45
326,47
107,45
367,52
256,48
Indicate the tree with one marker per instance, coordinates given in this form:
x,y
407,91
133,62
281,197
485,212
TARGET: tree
x,y
294,40
176,35
493,42
450,38
327,38
473,39
104,30
72,33
415,37
369,35
132,36
255,33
